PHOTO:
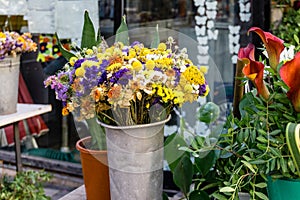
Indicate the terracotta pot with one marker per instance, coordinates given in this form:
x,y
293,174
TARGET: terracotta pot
x,y
95,171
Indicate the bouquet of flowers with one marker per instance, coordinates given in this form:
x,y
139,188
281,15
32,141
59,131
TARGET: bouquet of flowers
x,y
126,84
12,43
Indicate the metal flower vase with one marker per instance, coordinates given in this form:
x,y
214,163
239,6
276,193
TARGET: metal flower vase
x,y
135,159
9,81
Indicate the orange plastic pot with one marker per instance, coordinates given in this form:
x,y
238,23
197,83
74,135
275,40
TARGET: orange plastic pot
x,y
95,171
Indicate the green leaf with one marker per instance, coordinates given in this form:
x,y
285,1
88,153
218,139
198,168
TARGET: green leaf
x,y
165,196
65,53
293,140
275,151
257,162
198,194
205,164
209,112
261,107
99,39
253,135
183,174
172,153
239,137
97,133
296,38
187,149
261,185
156,40
227,189
248,165
247,158
261,195
122,32
88,37
219,196
283,164
262,139
273,164
275,132
262,132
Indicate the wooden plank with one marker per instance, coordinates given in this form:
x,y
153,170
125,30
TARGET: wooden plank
x,y
24,111
17,147
44,163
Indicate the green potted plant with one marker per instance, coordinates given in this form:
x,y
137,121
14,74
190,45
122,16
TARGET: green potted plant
x,y
253,150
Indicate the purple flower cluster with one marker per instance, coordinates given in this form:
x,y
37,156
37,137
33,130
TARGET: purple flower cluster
x,y
90,79
121,77
58,86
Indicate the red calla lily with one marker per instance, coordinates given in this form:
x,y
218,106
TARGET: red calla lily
x,y
247,52
273,44
290,74
253,70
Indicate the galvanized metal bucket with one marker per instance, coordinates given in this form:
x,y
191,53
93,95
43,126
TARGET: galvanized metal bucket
x,y
9,81
135,159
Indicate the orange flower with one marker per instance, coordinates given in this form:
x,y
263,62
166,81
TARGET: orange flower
x,y
253,70
273,44
65,111
170,72
98,94
114,92
290,74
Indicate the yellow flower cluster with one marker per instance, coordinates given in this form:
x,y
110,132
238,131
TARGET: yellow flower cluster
x,y
193,75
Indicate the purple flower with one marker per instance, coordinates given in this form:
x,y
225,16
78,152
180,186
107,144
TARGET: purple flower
x,y
135,43
79,94
157,69
62,93
103,65
118,75
90,79
202,89
78,63
177,75
102,78
93,59
125,50
71,76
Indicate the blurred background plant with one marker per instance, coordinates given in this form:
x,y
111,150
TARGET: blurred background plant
x,y
26,185
288,28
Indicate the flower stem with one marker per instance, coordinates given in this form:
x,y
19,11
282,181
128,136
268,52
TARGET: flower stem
x,y
97,133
